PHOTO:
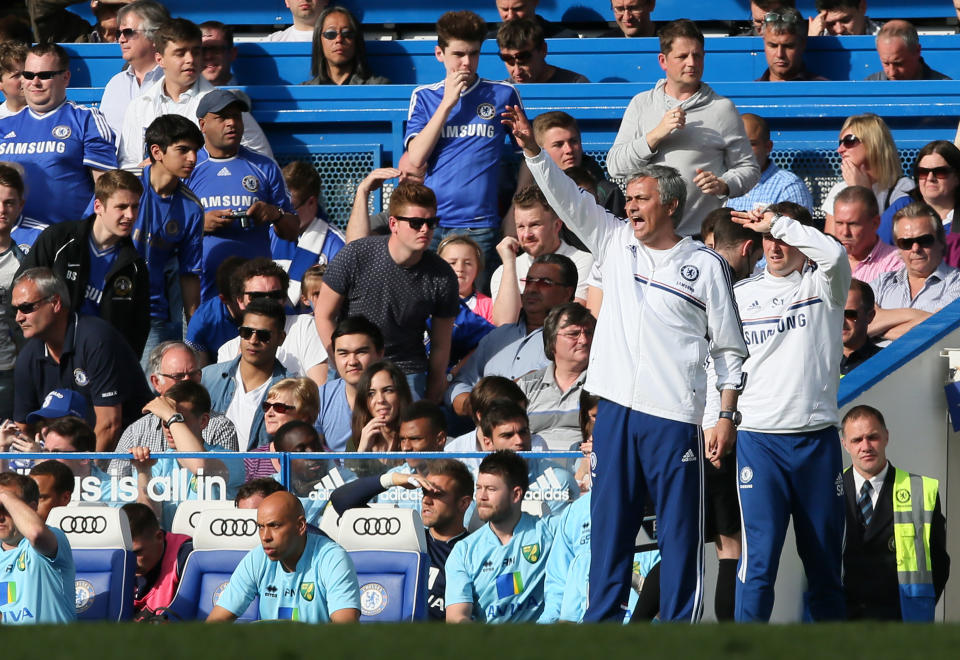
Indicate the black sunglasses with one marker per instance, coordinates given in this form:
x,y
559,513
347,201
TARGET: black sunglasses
x,y
851,314
522,57
938,172
262,335
417,223
330,35
777,17
849,141
924,241
29,307
127,33
276,294
42,75
281,408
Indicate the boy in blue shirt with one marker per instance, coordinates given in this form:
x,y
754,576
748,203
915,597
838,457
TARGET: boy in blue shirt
x,y
36,565
299,574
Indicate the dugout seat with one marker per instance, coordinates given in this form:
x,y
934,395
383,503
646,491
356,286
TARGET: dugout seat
x,y
106,567
222,539
389,551
188,514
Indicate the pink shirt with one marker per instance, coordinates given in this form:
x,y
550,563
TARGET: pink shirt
x,y
481,305
883,258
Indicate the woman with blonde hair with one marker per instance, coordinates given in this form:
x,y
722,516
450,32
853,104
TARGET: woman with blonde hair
x,y
288,400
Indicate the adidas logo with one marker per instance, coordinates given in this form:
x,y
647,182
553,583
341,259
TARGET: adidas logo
x,y
224,171
752,307
329,483
11,134
689,456
547,488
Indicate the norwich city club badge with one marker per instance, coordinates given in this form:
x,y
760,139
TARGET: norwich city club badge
x,y
531,552
307,590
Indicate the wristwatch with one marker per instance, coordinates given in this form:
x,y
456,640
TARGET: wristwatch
x,y
733,415
177,417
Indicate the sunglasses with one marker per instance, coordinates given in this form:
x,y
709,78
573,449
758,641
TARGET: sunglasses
x,y
848,141
182,375
254,295
42,75
345,33
262,335
30,307
924,241
938,172
281,408
522,57
777,17
417,223
128,33
540,281
852,314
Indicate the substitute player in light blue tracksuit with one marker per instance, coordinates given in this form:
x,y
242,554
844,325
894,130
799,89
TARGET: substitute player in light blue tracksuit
x,y
788,450
669,303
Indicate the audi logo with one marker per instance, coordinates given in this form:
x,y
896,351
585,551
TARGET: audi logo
x,y
233,527
376,526
83,524
193,519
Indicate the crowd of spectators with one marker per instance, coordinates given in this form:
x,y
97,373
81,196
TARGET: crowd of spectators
x,y
166,287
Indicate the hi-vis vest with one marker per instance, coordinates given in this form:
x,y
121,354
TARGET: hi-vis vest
x,y
914,498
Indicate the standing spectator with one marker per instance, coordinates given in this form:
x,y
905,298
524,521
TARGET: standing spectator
x,y
161,557
784,43
107,276
898,47
633,18
361,224
775,184
138,21
653,392
858,314
339,55
840,17
304,13
398,283
180,91
60,172
454,132
683,123
12,56
242,192
789,460
523,50
219,53
855,223
76,352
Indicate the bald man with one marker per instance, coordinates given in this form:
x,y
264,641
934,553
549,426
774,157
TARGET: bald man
x,y
299,574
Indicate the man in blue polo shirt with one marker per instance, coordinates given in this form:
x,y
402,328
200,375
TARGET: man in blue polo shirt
x,y
299,574
62,146
242,192
36,565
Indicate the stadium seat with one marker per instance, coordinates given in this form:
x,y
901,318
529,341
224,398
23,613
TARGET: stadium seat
x,y
222,539
389,551
188,514
106,567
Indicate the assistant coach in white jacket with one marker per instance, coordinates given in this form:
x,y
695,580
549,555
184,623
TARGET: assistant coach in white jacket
x,y
667,301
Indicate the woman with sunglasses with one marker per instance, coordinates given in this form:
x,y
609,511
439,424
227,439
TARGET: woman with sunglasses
x,y
869,158
381,393
339,56
291,399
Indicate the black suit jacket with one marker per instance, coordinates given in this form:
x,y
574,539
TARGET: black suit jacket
x,y
870,557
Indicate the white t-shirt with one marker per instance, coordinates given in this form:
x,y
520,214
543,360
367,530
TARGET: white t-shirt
x,y
5,111
301,351
290,34
582,260
242,409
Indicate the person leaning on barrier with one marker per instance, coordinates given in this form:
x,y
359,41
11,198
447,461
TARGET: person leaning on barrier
x,y
895,557
339,54
323,583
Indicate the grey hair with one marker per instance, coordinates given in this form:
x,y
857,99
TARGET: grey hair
x,y
791,22
151,13
670,185
47,283
156,355
902,29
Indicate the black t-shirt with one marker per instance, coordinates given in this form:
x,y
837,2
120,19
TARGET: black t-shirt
x,y
398,300
96,361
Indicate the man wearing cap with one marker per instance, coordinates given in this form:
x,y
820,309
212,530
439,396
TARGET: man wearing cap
x,y
242,192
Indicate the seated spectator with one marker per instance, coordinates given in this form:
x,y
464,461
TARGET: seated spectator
x,y
937,175
784,42
61,179
422,429
252,493
361,224
515,348
339,55
288,400
554,391
58,404
375,425
759,10
633,18
23,231
72,434
304,13
840,17
855,223
523,50
858,314
466,259
219,54
138,21
179,91
238,388
356,344
184,412
510,538
510,10
215,321
924,284
868,158
12,56
91,358
291,553
55,485
171,362
317,240
898,47
161,557
398,284
775,185
35,560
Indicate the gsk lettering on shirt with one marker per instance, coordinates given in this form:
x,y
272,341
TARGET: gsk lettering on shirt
x,y
785,324
469,130
228,201
39,147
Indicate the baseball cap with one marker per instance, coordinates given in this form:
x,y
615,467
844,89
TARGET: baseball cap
x,y
60,403
217,100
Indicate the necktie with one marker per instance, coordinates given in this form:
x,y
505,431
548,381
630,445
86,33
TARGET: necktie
x,y
865,503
